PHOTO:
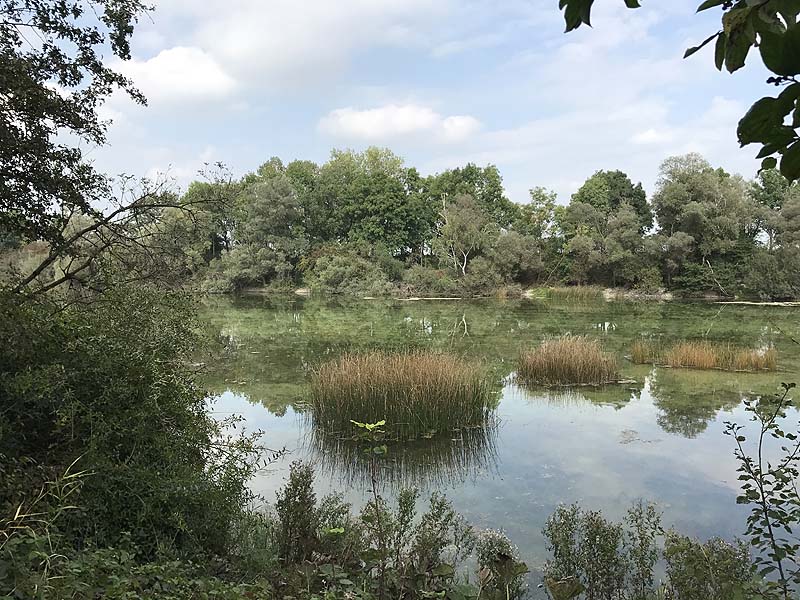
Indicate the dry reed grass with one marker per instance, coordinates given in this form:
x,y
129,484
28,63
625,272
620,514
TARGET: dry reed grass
x,y
568,360
703,354
418,393
645,352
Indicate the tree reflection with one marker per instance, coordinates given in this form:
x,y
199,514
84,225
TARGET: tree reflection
x,y
689,400
439,462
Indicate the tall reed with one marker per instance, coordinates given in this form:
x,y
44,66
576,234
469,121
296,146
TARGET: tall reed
x,y
581,293
704,354
645,352
418,393
567,360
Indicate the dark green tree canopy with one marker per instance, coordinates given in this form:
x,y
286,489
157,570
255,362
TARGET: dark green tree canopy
x,y
608,190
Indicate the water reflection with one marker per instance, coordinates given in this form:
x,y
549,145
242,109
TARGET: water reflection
x,y
443,461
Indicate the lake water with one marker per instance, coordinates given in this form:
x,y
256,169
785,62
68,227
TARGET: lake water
x,y
659,439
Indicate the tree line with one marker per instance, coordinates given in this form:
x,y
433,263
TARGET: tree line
x,y
366,223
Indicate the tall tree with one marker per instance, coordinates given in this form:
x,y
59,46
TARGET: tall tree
x,y
608,190
464,231
484,184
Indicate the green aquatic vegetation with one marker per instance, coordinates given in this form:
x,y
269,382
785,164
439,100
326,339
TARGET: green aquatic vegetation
x,y
568,360
419,393
574,293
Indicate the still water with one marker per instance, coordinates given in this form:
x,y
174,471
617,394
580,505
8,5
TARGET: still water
x,y
659,439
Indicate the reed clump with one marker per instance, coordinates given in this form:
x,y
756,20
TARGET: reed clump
x,y
576,292
645,352
704,354
418,393
568,360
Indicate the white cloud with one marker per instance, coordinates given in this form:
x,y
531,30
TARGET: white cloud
x,y
281,42
180,74
393,121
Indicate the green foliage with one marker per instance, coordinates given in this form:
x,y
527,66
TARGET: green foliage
x,y
51,89
594,558
296,510
770,488
772,27
501,574
711,570
348,273
106,384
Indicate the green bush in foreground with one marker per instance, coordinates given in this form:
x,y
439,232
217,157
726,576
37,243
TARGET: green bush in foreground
x,y
107,387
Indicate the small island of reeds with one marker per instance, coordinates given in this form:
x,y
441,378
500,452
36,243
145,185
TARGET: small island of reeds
x,y
567,360
418,393
704,354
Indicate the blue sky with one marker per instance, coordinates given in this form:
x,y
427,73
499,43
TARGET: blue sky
x,y
440,82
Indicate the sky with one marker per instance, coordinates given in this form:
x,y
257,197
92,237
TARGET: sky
x,y
440,82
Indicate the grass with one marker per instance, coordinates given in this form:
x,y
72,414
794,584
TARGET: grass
x,y
703,354
419,393
575,293
645,352
568,360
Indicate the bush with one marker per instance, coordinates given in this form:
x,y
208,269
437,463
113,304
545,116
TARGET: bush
x,y
482,278
350,275
107,385
418,393
712,570
424,281
567,360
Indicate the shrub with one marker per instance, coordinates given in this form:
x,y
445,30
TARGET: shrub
x,y
481,279
418,393
109,383
297,515
501,573
712,570
423,281
600,560
348,274
567,360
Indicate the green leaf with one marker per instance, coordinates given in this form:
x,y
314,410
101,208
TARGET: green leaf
x,y
632,4
790,163
719,51
443,570
705,42
781,51
759,121
709,4
736,51
576,12
769,163
564,589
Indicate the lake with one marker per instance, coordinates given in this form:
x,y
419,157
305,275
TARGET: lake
x,y
659,439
